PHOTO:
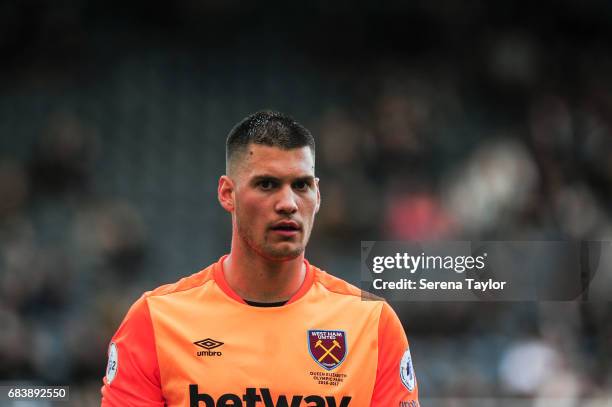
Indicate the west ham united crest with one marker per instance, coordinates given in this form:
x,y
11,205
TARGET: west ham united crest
x,y
327,348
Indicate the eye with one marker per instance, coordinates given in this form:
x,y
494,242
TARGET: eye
x,y
301,185
266,184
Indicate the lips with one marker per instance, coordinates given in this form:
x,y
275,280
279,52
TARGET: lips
x,y
286,226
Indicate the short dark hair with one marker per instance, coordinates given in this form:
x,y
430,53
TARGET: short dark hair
x,y
267,128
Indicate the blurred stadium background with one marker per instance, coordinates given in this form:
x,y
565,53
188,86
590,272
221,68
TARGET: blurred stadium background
x,y
434,120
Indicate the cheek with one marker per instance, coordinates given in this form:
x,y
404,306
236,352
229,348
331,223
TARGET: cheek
x,y
310,208
250,212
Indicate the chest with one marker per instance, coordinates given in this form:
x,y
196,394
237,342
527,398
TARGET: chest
x,y
235,356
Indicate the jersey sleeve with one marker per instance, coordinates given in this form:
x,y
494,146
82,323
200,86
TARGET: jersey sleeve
x,y
132,374
395,379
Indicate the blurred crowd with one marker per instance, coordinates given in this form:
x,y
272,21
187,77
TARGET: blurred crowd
x,y
108,176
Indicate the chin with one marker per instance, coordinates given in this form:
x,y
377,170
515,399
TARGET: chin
x,y
282,254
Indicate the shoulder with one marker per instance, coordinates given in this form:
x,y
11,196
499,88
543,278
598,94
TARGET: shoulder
x,y
339,286
139,313
195,280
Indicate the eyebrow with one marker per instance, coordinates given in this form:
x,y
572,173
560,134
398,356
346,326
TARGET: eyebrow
x,y
266,177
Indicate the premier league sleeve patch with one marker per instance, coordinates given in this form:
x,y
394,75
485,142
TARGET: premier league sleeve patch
x,y
327,348
113,363
406,370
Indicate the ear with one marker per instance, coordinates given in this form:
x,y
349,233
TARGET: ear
x,y
225,193
318,195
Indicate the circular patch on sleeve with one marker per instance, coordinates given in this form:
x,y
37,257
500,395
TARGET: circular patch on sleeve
x,y
406,370
113,363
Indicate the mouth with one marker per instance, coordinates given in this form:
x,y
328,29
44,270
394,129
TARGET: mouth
x,y
286,228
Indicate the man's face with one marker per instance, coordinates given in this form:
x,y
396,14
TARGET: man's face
x,y
275,199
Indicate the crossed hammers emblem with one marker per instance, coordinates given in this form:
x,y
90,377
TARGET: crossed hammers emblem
x,y
328,351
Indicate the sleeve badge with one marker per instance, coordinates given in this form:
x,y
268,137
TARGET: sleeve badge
x,y
113,363
406,371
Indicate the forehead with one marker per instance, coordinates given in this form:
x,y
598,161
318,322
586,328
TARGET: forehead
x,y
273,161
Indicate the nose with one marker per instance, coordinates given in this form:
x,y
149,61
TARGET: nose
x,y
286,203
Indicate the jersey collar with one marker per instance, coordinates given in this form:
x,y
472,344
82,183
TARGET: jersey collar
x,y
219,277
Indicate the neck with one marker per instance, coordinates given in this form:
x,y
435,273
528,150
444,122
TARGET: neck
x,y
256,278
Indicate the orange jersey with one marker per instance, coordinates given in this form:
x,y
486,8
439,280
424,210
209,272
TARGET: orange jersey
x,y
197,343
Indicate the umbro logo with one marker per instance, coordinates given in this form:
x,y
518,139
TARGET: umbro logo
x,y
208,344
